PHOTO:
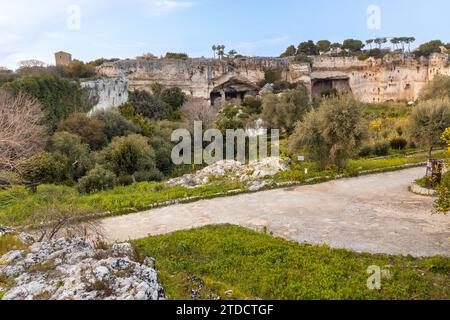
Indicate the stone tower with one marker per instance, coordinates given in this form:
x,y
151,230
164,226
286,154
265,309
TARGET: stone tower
x,y
63,58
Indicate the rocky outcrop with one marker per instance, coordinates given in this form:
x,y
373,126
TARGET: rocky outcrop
x,y
74,270
396,77
107,92
253,173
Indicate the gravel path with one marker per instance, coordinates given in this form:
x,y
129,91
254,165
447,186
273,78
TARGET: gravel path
x,y
374,213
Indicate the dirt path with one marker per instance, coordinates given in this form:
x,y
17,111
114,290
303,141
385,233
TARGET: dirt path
x,y
374,213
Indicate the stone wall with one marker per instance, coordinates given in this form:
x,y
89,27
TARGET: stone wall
x,y
397,77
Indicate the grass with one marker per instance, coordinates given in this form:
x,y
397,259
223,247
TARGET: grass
x,y
17,204
216,259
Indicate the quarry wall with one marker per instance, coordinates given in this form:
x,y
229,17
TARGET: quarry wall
x,y
396,77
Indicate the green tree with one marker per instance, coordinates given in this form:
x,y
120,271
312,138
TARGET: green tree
x,y
428,121
90,129
175,55
323,45
127,155
174,97
438,88
149,106
41,168
79,70
290,52
114,124
353,45
98,179
331,133
283,112
308,48
428,48
72,153
59,97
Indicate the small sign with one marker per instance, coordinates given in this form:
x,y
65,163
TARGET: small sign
x,y
301,158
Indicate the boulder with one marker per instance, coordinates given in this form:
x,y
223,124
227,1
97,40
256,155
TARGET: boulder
x,y
72,269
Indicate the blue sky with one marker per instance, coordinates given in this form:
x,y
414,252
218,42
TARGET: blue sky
x,y
127,28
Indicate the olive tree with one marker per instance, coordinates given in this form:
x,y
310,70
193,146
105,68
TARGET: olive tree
x,y
331,133
438,88
428,121
282,112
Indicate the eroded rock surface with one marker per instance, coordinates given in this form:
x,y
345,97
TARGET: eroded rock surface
x,y
232,170
74,270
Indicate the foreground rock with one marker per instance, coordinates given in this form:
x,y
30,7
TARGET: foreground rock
x,y
252,173
74,270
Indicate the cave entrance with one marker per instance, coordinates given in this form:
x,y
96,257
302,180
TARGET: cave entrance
x,y
232,89
328,86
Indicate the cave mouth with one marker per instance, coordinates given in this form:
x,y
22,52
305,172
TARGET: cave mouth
x,y
233,89
327,86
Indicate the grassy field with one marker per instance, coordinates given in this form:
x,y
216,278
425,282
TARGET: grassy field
x,y
18,204
214,260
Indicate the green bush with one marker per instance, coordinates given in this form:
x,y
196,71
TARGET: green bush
x,y
381,148
149,175
445,181
42,168
365,151
98,179
72,152
90,129
127,155
399,143
115,125
149,106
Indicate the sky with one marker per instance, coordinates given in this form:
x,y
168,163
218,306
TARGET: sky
x,y
91,29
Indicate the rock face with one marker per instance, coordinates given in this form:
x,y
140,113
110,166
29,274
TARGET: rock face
x,y
107,92
253,173
396,77
74,270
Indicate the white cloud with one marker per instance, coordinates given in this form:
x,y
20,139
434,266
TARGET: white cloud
x,y
251,46
27,24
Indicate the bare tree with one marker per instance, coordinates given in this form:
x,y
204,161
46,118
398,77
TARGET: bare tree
x,y
67,221
32,63
21,131
199,110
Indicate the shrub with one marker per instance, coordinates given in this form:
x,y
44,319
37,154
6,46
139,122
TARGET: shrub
x,y
149,175
70,151
438,88
90,129
445,180
399,143
127,155
98,179
115,125
381,149
149,106
428,121
174,97
283,112
331,133
41,168
365,151
252,105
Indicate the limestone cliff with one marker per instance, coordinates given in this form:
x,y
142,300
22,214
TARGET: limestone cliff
x,y
107,92
397,77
